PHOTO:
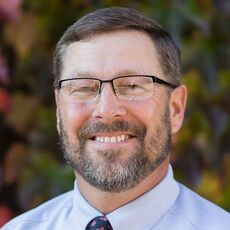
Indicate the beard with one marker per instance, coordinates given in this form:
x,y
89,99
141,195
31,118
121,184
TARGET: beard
x,y
110,173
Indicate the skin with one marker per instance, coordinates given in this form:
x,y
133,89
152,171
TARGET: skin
x,y
106,56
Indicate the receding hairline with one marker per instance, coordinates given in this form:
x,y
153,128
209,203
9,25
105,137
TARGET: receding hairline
x,y
114,32
91,36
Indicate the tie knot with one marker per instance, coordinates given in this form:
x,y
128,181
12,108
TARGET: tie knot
x,y
99,223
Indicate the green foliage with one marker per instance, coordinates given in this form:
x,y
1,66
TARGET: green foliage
x,y
43,178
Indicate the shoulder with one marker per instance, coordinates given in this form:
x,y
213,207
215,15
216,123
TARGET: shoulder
x,y
199,212
43,214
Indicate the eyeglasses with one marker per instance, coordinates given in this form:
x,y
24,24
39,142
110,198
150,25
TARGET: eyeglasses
x,y
132,87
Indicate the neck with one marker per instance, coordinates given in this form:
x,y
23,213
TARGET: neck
x,y
106,202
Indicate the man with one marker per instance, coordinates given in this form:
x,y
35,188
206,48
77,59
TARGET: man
x,y
119,102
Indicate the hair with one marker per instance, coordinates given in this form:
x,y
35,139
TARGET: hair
x,y
120,18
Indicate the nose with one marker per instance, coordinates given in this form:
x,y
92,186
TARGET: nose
x,y
108,107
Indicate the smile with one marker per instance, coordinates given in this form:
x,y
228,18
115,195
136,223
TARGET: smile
x,y
112,139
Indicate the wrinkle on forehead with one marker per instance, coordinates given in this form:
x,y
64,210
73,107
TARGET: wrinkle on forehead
x,y
113,54
90,74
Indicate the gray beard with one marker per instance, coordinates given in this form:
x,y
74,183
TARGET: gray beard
x,y
113,174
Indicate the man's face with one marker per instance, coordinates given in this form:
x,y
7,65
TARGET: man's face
x,y
113,143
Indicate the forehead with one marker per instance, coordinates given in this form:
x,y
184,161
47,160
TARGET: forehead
x,y
112,54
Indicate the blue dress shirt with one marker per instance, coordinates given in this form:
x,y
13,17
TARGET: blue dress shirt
x,y
169,205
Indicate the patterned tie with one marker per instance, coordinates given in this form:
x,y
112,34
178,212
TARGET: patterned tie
x,y
99,223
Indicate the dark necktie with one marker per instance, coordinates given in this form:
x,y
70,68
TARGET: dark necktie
x,y
99,223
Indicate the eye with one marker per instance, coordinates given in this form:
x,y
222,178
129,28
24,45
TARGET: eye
x,y
80,87
83,89
132,88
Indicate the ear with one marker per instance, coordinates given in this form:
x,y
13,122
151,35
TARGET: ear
x,y
177,106
56,94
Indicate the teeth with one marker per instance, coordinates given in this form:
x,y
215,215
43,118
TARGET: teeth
x,y
106,139
119,139
113,139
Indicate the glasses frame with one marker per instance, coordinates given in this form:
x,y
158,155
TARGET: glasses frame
x,y
154,78
57,84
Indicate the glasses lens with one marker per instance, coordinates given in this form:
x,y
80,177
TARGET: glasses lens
x,y
133,87
81,89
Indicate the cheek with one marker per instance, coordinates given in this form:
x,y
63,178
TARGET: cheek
x,y
73,115
150,114
146,113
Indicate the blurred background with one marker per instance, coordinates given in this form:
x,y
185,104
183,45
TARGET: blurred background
x,y
32,168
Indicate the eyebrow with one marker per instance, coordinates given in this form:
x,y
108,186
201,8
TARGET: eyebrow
x,y
90,74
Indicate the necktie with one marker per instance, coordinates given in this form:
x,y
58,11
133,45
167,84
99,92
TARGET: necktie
x,y
99,223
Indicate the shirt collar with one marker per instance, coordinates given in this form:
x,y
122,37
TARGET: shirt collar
x,y
147,209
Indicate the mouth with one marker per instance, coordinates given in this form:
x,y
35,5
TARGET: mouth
x,y
112,138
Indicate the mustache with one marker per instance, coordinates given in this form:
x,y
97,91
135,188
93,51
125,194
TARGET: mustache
x,y
90,129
